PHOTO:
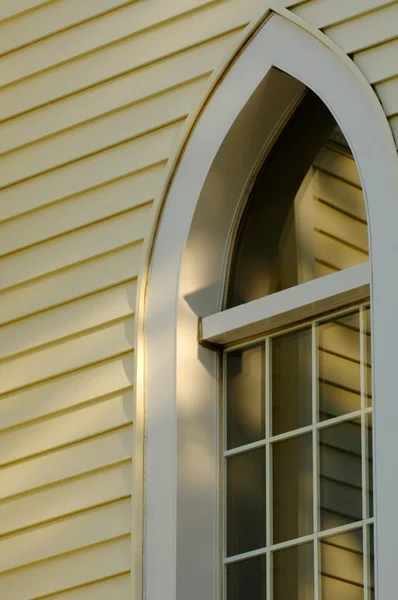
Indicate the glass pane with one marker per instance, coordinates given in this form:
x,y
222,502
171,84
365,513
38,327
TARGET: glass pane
x,y
246,580
292,488
340,474
370,464
368,348
293,571
291,381
305,217
245,396
246,501
342,566
371,563
339,366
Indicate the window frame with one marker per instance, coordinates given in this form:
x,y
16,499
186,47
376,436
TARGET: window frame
x,y
314,429
187,267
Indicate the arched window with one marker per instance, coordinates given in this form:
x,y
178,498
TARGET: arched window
x,y
298,295
297,402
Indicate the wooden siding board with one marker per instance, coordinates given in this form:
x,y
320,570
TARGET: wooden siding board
x,y
73,460
116,587
73,282
90,172
366,30
341,195
388,94
323,13
69,570
394,127
131,19
337,164
117,127
84,209
66,498
67,320
74,247
10,8
57,431
341,226
378,63
50,18
88,348
121,57
125,89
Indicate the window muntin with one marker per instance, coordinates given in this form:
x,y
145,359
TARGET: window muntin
x,y
305,216
311,483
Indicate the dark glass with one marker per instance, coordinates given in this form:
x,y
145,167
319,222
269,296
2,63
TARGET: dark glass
x,y
245,396
370,463
291,381
246,502
368,346
342,567
265,254
340,474
339,366
371,563
246,580
293,573
292,488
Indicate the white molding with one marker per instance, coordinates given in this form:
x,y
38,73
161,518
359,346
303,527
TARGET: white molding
x,y
181,554
283,308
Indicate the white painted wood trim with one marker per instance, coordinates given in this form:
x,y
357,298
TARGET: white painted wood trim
x,y
285,307
185,282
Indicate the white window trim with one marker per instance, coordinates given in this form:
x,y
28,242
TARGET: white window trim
x,y
181,537
278,310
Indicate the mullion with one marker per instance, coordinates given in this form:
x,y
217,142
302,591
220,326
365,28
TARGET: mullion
x,y
365,458
314,428
315,455
268,460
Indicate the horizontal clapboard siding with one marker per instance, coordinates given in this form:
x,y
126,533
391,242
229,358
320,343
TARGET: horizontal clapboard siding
x,y
113,587
68,570
48,18
340,222
368,31
94,96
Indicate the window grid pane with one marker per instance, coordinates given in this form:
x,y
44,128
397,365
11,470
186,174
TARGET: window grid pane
x,y
319,430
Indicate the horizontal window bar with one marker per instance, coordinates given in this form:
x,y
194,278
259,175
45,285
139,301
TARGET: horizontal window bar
x,y
288,306
296,432
298,541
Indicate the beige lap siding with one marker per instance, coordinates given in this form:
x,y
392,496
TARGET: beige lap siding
x,y
93,99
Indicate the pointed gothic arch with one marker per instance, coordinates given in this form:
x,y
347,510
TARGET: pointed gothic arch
x,y
187,269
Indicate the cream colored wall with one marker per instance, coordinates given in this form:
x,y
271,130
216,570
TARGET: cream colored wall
x,y
93,99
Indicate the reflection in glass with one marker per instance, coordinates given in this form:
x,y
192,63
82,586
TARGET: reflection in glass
x,y
305,216
245,396
340,474
293,573
291,381
371,563
339,366
246,580
369,432
342,566
246,501
292,488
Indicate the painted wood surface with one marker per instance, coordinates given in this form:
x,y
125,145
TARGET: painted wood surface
x,y
94,96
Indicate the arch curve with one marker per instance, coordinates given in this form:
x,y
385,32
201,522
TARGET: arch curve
x,y
185,282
